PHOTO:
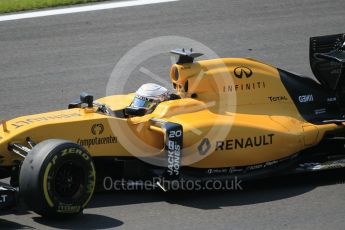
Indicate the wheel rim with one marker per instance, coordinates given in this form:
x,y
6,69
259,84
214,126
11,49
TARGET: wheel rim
x,y
69,180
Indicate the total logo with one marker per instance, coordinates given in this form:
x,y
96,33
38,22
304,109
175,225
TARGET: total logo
x,y
306,98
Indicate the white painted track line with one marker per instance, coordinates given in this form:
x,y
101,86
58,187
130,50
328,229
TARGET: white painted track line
x,y
80,9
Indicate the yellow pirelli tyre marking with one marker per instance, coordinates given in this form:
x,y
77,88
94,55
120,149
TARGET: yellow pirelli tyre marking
x,y
93,185
45,185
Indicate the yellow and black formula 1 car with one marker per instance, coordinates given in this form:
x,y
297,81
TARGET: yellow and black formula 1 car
x,y
230,117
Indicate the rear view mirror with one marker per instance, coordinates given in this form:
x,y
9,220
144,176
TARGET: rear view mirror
x,y
87,99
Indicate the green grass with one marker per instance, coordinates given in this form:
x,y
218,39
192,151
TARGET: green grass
x,y
7,6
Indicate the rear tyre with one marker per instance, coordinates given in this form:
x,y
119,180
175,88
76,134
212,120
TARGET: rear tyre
x,y
57,178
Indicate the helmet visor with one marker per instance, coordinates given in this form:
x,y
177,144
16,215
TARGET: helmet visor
x,y
141,103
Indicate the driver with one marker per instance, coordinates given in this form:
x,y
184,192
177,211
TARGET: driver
x,y
148,96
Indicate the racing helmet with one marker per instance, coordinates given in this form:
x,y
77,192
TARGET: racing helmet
x,y
149,95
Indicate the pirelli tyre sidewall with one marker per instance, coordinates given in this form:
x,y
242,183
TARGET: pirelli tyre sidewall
x,y
57,178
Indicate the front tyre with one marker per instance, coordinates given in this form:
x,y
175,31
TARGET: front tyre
x,y
57,178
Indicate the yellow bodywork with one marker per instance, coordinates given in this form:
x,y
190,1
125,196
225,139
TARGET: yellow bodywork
x,y
247,120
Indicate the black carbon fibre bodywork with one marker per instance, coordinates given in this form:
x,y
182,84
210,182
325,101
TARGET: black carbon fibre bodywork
x,y
314,102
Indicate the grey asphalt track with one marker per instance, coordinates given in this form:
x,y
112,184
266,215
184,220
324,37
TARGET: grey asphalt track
x,y
46,62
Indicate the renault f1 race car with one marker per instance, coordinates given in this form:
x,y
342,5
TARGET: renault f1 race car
x,y
230,117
